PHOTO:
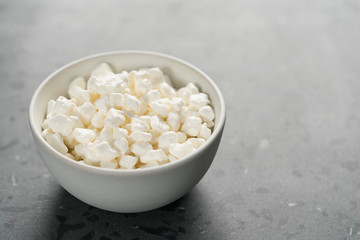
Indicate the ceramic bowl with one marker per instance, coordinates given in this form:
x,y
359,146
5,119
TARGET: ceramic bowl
x,y
127,190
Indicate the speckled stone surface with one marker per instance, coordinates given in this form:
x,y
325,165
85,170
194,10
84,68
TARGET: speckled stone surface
x,y
288,165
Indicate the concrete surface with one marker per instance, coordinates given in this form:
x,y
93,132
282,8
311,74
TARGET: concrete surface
x,y
288,165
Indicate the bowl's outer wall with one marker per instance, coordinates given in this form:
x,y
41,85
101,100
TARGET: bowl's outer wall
x,y
134,193
126,192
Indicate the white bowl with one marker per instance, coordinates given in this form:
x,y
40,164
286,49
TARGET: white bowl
x,y
127,190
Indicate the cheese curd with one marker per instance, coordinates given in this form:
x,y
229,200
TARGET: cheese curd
x,y
128,120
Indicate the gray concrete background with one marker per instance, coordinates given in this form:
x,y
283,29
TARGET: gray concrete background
x,y
288,165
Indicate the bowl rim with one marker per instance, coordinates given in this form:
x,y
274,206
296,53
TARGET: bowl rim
x,y
85,167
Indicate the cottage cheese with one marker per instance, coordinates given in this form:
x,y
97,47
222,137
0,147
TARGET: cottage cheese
x,y
128,120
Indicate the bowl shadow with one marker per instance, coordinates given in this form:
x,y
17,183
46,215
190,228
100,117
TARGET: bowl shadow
x,y
70,218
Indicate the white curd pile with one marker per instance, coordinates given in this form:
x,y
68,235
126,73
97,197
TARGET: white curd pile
x,y
128,120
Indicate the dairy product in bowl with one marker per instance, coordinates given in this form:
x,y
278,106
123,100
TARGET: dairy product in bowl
x,y
128,120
